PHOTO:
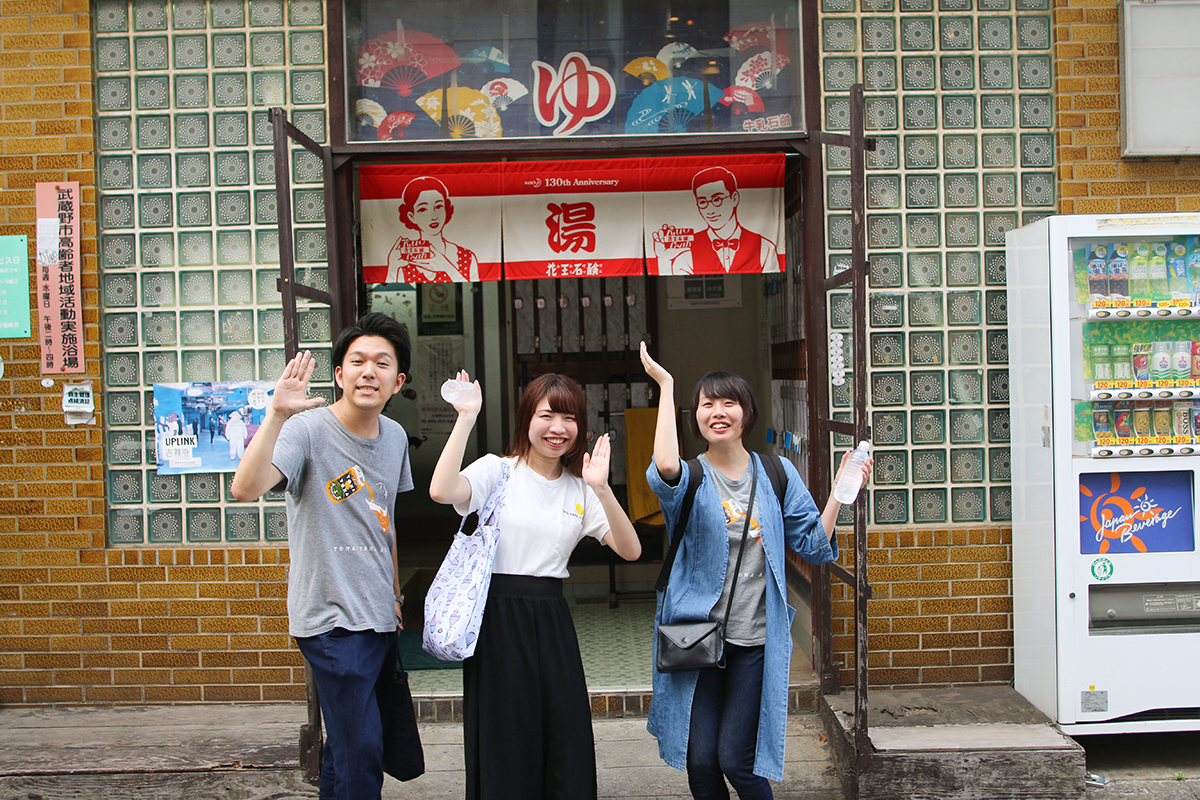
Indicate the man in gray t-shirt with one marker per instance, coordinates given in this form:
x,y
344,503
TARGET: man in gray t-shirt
x,y
343,467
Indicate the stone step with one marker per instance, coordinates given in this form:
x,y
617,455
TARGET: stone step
x,y
984,743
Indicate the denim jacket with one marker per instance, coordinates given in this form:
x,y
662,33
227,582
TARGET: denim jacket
x,y
697,577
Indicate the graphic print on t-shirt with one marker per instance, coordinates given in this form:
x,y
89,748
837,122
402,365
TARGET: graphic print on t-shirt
x,y
733,514
348,483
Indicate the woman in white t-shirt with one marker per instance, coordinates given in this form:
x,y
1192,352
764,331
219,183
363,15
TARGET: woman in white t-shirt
x,y
527,721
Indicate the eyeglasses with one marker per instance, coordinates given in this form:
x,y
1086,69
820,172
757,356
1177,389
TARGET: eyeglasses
x,y
715,200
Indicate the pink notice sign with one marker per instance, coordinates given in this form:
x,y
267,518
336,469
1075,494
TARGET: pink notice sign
x,y
568,219
430,223
59,300
714,215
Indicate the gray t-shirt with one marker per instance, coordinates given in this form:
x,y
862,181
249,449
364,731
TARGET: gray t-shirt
x,y
747,618
341,500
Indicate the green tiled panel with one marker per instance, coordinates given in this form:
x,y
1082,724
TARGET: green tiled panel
x,y
187,293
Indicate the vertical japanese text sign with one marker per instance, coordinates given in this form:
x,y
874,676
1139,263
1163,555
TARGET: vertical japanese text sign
x,y
59,304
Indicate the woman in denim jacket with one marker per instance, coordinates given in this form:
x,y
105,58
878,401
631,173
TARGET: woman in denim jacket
x,y
731,722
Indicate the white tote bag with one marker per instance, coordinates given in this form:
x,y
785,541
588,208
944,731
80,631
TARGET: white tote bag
x,y
455,600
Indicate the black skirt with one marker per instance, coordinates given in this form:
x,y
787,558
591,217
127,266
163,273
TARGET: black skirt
x,y
527,730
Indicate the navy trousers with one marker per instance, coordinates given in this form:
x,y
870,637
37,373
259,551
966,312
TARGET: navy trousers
x,y
353,671
724,729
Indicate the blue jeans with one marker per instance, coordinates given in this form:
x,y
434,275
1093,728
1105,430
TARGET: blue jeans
x,y
353,671
724,729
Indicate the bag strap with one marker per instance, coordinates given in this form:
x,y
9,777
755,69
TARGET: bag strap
x,y
491,507
773,465
695,476
741,549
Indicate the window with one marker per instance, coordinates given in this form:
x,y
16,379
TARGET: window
x,y
467,69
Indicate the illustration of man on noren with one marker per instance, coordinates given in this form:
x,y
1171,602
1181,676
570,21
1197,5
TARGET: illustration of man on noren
x,y
723,246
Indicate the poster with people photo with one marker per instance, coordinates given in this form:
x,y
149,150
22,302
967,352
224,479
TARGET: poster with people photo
x,y
205,427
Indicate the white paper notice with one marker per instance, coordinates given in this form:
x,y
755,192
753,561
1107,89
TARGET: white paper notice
x,y
47,242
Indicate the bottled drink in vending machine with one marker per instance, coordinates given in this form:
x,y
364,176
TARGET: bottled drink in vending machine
x,y
1156,272
1160,362
1139,271
1181,361
1193,268
1177,271
1102,368
1118,271
1122,364
1097,271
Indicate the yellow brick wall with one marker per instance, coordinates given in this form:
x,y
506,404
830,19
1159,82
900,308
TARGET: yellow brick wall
x,y
80,623
1093,177
940,610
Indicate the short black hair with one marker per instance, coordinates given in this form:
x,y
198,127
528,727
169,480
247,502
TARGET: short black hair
x,y
375,324
725,386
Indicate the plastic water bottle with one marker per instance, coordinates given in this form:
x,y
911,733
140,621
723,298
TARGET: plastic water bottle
x,y
851,480
456,392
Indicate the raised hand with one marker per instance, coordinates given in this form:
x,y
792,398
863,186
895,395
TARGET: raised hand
x,y
291,390
655,370
474,404
595,464
866,469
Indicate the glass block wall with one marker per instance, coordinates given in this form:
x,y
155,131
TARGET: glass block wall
x,y
189,248
958,96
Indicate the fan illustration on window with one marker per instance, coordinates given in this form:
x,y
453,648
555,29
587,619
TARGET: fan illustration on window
x,y
403,59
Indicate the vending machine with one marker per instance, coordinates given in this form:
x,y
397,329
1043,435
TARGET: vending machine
x,y
1104,371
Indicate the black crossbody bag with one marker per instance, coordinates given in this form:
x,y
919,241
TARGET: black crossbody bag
x,y
699,644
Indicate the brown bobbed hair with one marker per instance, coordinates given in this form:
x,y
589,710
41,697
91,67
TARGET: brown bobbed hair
x,y
566,397
725,386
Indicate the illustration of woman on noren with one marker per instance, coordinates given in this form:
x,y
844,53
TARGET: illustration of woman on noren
x,y
424,255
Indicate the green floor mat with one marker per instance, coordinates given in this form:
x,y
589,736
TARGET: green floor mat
x,y
414,658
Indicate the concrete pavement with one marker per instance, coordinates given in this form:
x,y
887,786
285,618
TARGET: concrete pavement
x,y
251,752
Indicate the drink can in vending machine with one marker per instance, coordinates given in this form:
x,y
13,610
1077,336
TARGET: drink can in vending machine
x,y
1123,420
1102,419
1162,417
1141,360
1142,410
1182,418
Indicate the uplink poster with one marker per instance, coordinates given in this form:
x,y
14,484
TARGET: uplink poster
x,y
205,427
1136,512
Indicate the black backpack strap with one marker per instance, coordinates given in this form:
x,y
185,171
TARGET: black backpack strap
x,y
779,480
695,475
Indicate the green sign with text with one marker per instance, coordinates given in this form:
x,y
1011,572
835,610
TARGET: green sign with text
x,y
14,287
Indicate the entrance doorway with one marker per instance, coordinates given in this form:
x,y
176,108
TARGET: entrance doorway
x,y
507,333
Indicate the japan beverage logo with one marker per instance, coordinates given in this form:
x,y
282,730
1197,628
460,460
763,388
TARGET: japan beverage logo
x,y
1135,512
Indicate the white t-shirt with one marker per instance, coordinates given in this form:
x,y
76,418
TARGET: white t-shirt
x,y
541,520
